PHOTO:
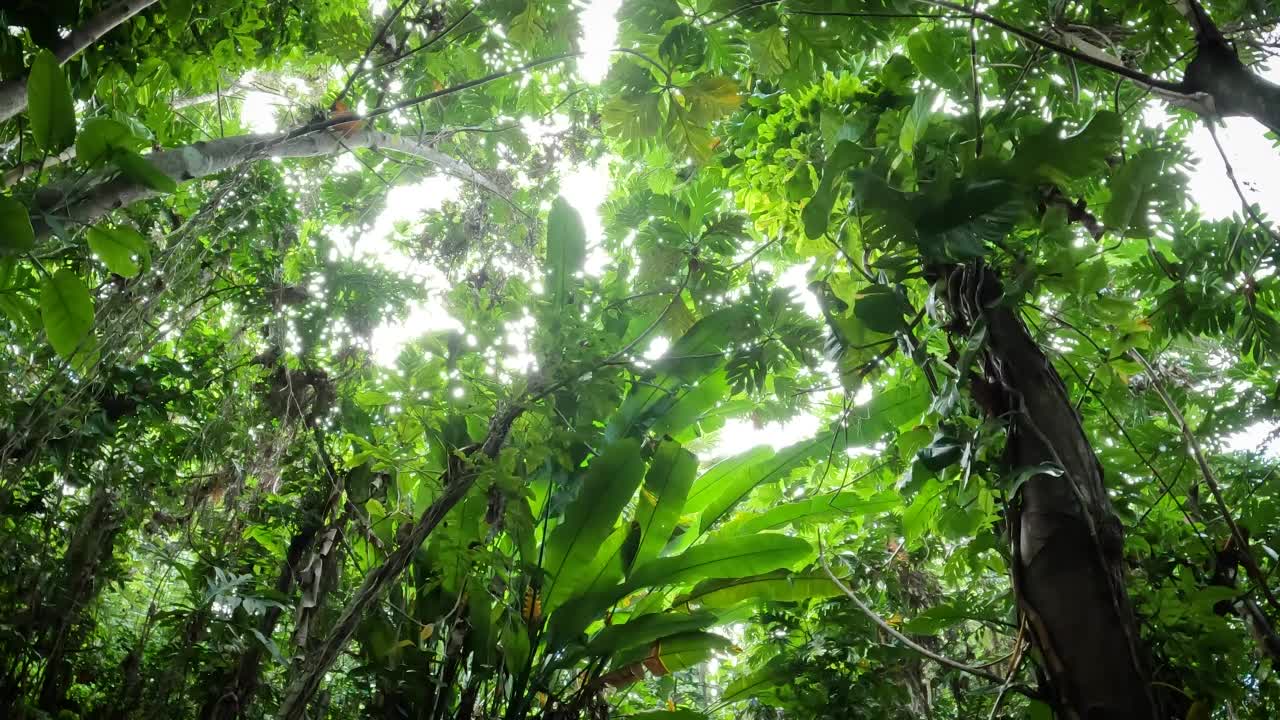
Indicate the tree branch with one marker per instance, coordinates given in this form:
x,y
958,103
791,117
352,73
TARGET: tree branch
x,y
203,159
1193,445
13,93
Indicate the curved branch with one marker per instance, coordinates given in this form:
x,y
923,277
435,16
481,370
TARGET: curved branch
x,y
13,94
908,642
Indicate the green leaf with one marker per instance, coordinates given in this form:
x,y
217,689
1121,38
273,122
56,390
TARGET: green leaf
x,y
711,483
49,105
881,308
607,486
684,47
817,213
940,617
943,452
644,630
119,248
754,683
1046,155
1133,189
101,136
677,652
935,50
692,406
140,170
666,486
67,311
917,121
177,12
922,514
566,249
680,714
845,504
725,557
780,586
16,234
736,487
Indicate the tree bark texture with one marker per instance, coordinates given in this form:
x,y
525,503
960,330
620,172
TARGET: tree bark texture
x,y
1068,570
203,159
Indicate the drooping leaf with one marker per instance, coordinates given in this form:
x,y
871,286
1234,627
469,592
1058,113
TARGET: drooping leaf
x,y
817,214
67,311
779,586
100,137
16,234
121,248
754,683
723,557
566,249
819,507
140,170
736,487
49,106
881,308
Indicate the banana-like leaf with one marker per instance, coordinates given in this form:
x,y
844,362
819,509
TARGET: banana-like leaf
x,y
780,586
723,557
661,501
607,486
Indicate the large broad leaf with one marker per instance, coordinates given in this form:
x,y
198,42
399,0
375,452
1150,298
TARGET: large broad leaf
x,y
67,310
817,214
101,137
1046,155
757,682
566,249
819,507
690,359
644,630
692,406
779,586
140,170
675,652
972,215
1133,191
666,486
607,486
727,557
121,249
16,234
917,120
49,106
881,308
681,714
737,486
935,50
711,484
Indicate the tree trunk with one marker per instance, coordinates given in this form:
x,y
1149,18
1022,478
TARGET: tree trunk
x,y
1068,571
89,548
241,681
457,480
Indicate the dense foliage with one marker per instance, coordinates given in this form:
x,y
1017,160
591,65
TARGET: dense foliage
x,y
900,377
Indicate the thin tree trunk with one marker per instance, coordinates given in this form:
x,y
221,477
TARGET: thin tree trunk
x,y
1068,570
457,480
13,93
241,681
203,159
90,546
